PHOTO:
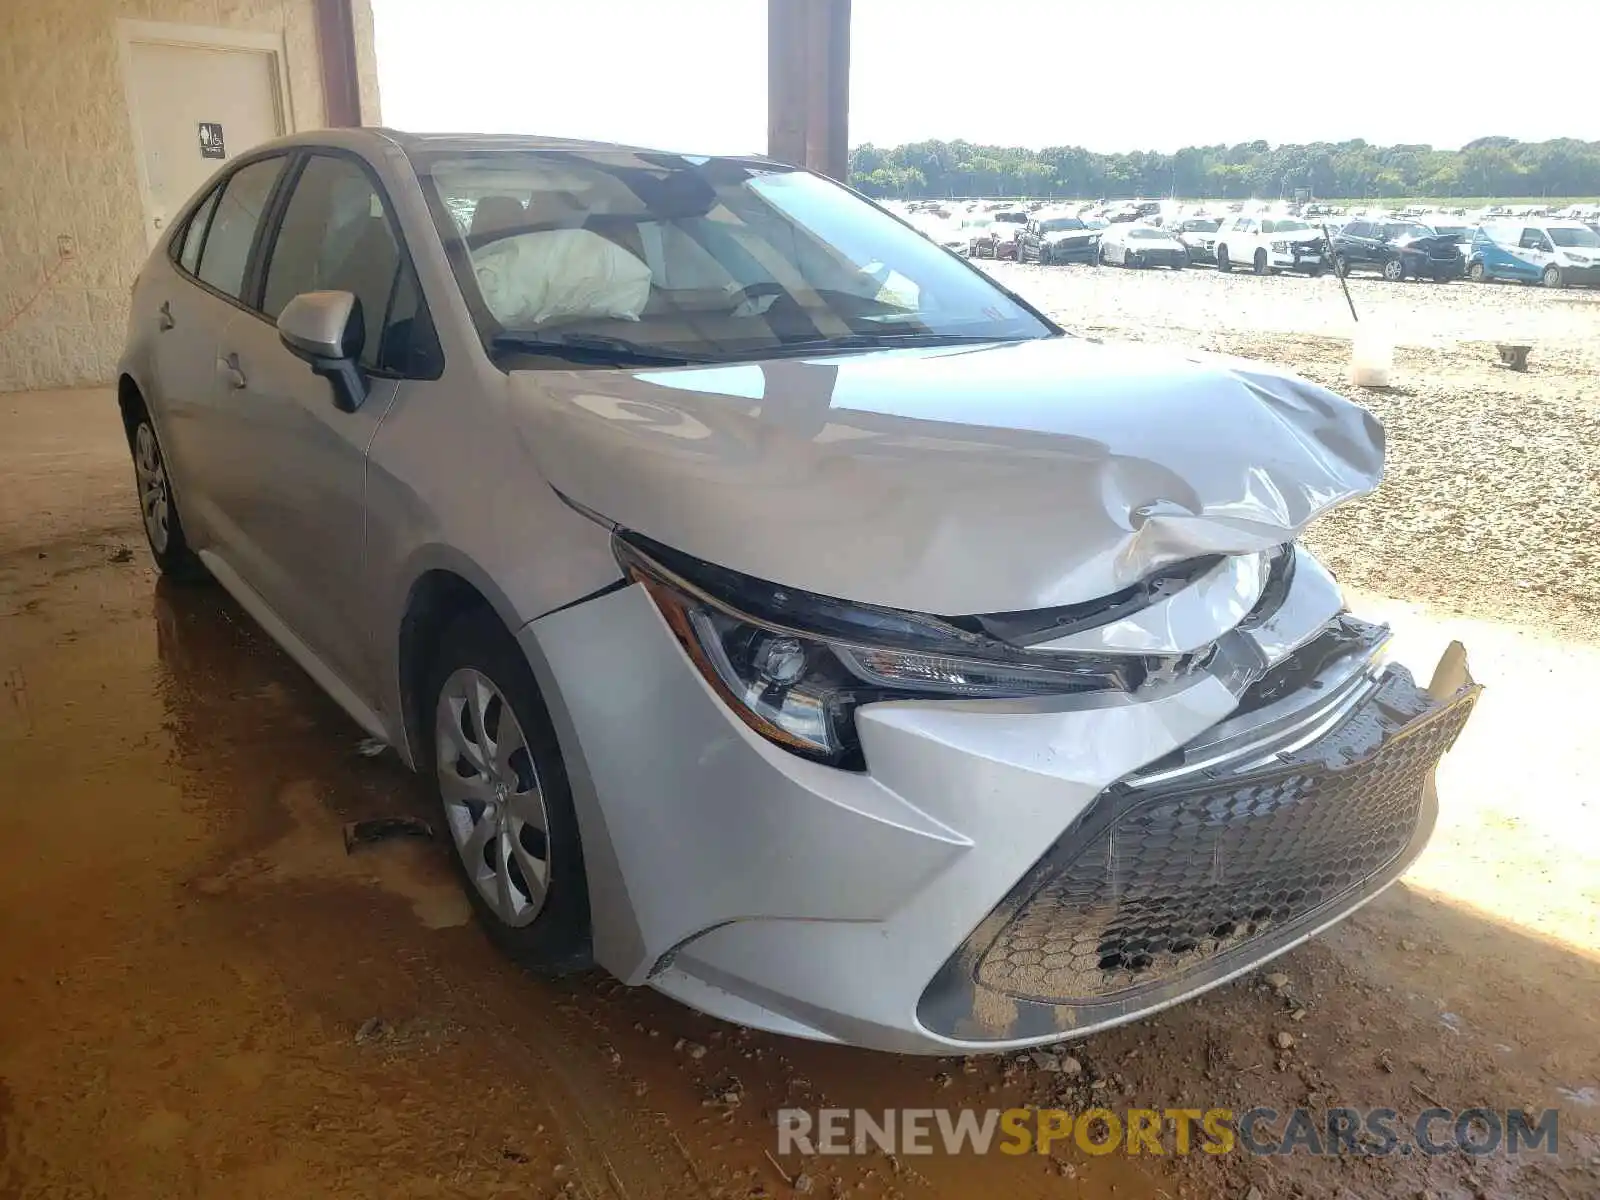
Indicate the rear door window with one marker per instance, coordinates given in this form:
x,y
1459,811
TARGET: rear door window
x,y
225,252
194,234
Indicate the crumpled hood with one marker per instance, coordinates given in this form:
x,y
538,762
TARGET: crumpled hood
x,y
955,480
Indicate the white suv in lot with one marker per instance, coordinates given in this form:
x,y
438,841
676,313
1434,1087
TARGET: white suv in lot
x,y
1271,244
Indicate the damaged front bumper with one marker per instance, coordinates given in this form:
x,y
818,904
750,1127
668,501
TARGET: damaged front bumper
x,y
1002,872
1204,865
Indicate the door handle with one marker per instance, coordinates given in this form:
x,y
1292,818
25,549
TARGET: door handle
x,y
164,319
228,365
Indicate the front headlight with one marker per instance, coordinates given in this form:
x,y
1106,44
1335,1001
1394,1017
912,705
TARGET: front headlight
x,y
1579,258
794,666
1280,247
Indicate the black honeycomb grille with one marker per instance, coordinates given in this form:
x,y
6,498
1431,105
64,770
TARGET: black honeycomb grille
x,y
1180,878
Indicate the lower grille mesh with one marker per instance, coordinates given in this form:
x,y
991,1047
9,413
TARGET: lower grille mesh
x,y
1184,875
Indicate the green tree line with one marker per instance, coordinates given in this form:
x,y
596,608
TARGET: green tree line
x,y
1490,166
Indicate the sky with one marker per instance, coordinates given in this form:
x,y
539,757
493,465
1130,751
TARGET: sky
x,y
692,74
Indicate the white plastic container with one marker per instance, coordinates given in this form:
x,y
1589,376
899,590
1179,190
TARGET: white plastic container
x,y
1371,357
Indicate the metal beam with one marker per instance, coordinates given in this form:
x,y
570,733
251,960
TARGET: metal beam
x,y
808,84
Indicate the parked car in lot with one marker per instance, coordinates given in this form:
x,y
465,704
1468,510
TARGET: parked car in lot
x,y
1554,253
1130,211
998,239
942,232
1269,244
784,615
1397,250
1058,239
1461,235
1141,246
1199,237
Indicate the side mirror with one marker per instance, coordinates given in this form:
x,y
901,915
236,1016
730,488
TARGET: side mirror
x,y
327,331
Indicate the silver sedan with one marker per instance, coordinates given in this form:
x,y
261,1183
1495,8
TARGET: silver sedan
x,y
787,617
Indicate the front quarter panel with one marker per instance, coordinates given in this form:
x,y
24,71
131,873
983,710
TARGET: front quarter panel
x,y
451,488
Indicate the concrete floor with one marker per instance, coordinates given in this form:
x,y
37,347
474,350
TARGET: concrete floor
x,y
202,995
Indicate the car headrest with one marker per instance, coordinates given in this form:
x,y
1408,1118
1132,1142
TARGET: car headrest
x,y
496,213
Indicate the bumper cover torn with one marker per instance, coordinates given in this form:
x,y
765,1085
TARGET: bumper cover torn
x,y
1171,884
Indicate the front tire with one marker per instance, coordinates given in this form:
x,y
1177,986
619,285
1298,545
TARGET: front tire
x,y
1476,273
1394,270
505,799
163,527
1551,276
1261,263
1341,266
1224,263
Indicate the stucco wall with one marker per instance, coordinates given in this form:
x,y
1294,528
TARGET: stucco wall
x,y
68,167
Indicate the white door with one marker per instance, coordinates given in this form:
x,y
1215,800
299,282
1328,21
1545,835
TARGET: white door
x,y
194,107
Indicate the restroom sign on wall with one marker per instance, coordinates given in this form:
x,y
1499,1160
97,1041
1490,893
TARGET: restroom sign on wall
x,y
211,144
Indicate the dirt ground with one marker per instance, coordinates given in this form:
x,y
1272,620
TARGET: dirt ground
x,y
201,994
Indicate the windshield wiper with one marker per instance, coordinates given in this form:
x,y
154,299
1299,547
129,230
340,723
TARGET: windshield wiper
x,y
871,341
592,347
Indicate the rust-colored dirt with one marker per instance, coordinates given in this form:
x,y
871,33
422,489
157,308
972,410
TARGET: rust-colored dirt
x,y
201,994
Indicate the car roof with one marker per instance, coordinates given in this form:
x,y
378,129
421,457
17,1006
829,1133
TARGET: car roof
x,y
375,138
453,143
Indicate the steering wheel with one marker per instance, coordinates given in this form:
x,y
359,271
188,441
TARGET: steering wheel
x,y
755,291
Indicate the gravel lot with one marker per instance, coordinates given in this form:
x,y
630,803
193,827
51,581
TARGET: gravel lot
x,y
1491,505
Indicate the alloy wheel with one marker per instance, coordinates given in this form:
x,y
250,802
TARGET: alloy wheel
x,y
493,802
154,503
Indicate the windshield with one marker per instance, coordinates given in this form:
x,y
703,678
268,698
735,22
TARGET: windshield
x,y
1398,232
1456,233
1148,235
1284,226
1199,225
1012,218
1573,236
704,259
1057,224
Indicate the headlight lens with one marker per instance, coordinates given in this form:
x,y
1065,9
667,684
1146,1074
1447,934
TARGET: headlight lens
x,y
796,671
1579,258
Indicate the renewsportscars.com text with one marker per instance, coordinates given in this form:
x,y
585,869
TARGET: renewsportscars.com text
x,y
1175,1131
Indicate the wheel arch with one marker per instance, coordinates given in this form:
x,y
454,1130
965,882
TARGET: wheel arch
x,y
436,597
130,403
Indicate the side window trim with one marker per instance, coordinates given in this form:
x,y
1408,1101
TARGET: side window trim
x,y
261,253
